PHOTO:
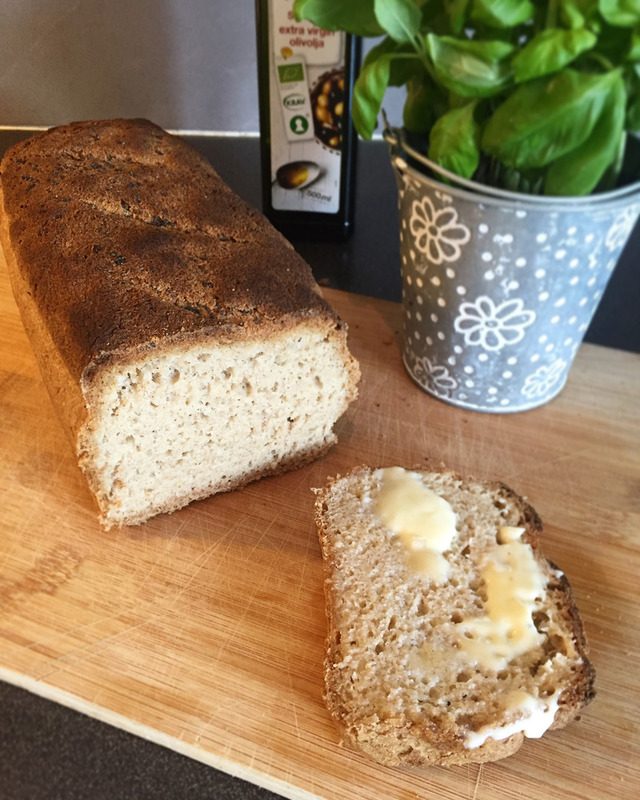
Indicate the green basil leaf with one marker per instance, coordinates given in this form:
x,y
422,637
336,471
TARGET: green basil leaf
x,y
630,161
458,11
615,173
546,118
418,113
492,172
403,67
399,18
549,51
425,102
387,45
355,16
435,16
571,13
502,13
634,48
454,142
614,42
470,68
581,170
384,47
623,13
368,91
632,122
386,64
580,14
405,63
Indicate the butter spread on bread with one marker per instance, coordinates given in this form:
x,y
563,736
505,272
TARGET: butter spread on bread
x,y
452,666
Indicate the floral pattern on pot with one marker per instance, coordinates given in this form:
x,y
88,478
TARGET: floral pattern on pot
x,y
544,379
497,294
490,326
436,376
620,231
437,232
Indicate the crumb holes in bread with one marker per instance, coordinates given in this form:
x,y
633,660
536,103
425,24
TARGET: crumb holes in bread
x,y
436,693
555,644
479,589
540,620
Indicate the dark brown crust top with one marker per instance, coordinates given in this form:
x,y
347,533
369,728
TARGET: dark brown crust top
x,y
127,237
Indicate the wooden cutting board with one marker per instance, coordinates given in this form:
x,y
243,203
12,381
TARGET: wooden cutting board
x,y
204,630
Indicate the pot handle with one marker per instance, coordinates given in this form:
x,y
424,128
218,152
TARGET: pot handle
x,y
390,135
393,137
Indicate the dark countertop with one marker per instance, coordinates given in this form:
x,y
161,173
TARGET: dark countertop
x,y
48,751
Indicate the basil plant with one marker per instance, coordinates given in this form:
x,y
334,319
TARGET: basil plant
x,y
539,96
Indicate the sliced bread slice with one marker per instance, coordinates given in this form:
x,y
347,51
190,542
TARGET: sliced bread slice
x,y
450,636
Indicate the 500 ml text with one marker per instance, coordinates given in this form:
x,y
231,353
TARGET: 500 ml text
x,y
326,198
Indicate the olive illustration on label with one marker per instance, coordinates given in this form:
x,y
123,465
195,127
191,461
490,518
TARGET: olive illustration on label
x,y
297,174
327,103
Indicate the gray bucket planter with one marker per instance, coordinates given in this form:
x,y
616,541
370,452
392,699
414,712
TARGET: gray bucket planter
x,y
498,288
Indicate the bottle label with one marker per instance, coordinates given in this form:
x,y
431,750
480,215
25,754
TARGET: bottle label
x,y
307,91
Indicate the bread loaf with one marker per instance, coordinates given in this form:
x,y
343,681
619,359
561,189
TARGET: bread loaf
x,y
185,345
450,636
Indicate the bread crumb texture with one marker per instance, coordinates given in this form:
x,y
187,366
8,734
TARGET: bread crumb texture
x,y
400,682
185,345
190,423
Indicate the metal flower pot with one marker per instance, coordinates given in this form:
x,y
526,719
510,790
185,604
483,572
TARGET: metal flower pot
x,y
499,288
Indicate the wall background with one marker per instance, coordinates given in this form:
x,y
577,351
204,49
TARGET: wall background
x,y
188,65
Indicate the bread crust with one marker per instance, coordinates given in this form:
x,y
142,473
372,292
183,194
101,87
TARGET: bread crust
x,y
123,244
406,738
144,244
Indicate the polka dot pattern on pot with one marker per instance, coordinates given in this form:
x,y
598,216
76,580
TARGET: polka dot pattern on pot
x,y
497,297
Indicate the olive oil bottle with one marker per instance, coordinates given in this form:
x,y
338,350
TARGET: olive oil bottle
x,y
308,142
